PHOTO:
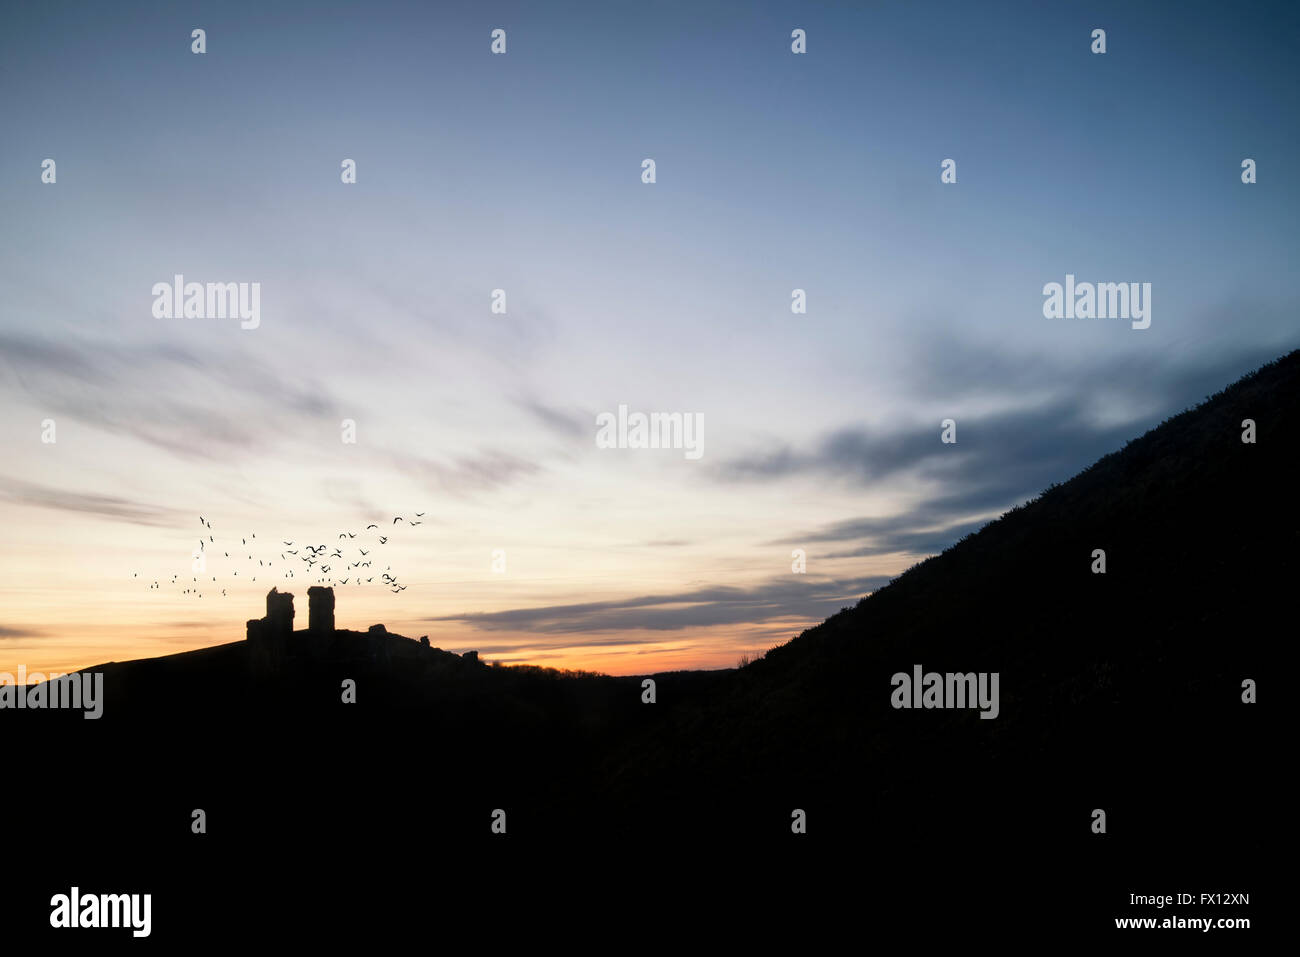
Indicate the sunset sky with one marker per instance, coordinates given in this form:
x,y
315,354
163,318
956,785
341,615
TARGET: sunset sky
x,y
522,172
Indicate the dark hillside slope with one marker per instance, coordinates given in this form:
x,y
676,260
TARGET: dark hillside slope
x,y
1119,690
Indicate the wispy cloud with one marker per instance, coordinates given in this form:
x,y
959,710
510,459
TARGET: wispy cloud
x,y
6,632
791,596
1037,443
191,405
1000,458
484,471
108,506
567,423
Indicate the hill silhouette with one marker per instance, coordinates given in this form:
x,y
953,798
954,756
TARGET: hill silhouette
x,y
1120,691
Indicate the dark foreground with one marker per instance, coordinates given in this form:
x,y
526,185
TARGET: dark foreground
x,y
1120,692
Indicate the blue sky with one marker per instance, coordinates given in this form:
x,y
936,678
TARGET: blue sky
x,y
521,171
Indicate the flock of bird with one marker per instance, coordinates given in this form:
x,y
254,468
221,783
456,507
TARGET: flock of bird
x,y
325,565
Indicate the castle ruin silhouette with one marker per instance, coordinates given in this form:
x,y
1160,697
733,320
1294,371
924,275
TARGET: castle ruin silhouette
x,y
273,641
276,629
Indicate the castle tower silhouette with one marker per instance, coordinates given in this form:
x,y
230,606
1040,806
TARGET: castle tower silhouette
x,y
271,636
274,645
279,615
320,611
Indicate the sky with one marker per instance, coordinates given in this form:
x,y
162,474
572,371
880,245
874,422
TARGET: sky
x,y
523,171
